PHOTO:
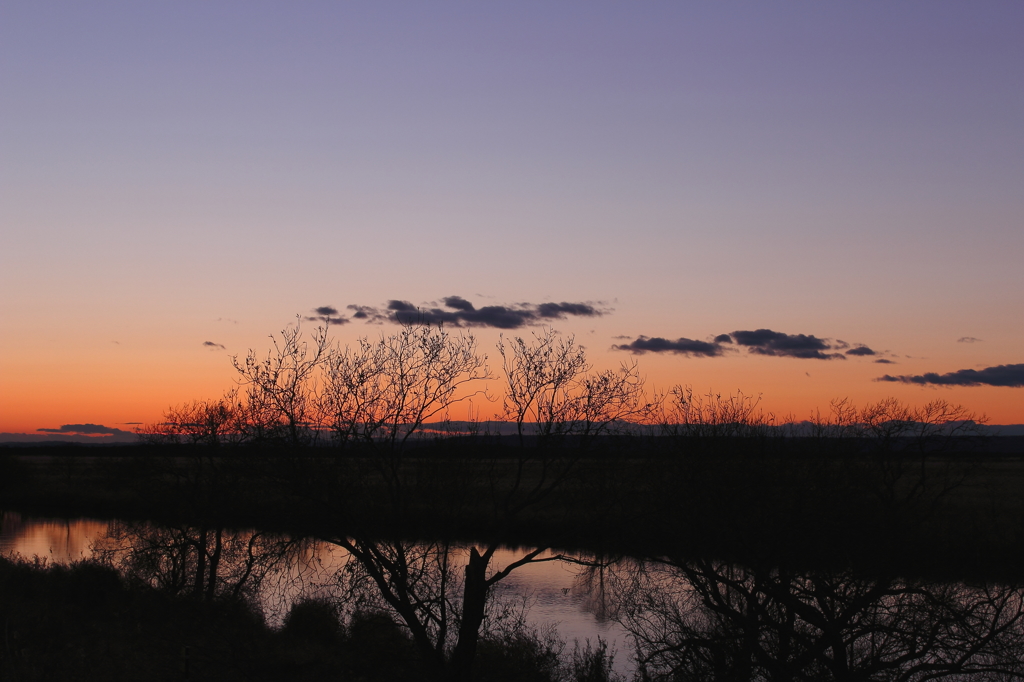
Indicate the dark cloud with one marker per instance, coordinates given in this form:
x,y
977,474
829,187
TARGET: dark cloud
x,y
644,344
768,342
367,313
758,342
401,306
458,312
1000,375
457,303
327,314
87,430
404,312
883,361
499,316
967,339
214,346
560,310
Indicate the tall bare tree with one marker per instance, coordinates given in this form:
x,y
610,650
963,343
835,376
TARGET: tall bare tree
x,y
382,392
281,389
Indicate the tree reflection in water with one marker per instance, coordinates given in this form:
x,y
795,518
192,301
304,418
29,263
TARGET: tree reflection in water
x,y
202,562
688,619
419,584
704,620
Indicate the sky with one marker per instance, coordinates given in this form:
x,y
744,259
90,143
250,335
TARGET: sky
x,y
179,180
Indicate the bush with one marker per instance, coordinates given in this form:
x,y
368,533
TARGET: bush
x,y
592,663
524,655
313,620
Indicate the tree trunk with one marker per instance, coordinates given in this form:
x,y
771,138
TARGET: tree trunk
x,y
211,583
200,580
474,602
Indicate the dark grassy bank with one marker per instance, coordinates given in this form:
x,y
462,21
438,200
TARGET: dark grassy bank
x,y
957,513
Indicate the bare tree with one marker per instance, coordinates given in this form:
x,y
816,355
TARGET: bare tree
x,y
714,415
374,399
910,459
562,406
379,394
549,384
202,422
382,392
281,390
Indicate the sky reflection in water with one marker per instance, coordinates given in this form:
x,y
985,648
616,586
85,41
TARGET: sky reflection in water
x,y
547,588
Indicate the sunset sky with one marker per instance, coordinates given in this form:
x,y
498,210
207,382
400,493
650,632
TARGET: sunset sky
x,y
797,180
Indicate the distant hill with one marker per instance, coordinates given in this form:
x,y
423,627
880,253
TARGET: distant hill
x,y
455,428
62,438
1005,429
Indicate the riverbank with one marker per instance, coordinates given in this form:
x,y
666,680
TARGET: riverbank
x,y
958,514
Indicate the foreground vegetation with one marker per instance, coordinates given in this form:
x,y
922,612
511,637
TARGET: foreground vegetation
x,y
86,621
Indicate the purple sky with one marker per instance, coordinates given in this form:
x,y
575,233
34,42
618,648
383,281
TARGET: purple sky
x,y
176,173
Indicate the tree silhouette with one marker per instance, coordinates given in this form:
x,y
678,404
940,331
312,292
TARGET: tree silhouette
x,y
280,390
380,394
195,560
707,620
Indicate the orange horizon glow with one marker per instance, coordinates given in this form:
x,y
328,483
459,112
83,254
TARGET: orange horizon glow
x,y
121,403
128,385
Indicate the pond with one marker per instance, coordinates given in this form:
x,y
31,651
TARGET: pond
x,y
547,593
670,618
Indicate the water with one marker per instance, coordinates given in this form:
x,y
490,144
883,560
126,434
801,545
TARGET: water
x,y
703,617
547,592
60,540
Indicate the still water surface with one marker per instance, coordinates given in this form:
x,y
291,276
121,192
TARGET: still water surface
x,y
682,617
548,590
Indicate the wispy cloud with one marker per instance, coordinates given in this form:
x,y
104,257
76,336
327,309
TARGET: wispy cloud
x,y
968,339
1000,375
214,346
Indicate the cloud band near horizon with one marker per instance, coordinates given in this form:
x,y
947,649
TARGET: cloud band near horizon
x,y
458,312
757,342
87,430
1000,375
